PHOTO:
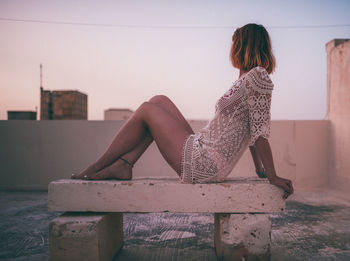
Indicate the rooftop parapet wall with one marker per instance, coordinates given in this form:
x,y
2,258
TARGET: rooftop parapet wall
x,y
338,78
338,110
34,153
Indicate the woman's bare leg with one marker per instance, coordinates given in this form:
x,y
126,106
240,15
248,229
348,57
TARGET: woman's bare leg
x,y
118,169
121,170
171,108
168,133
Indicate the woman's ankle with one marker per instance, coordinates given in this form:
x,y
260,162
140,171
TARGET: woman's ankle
x,y
125,170
127,162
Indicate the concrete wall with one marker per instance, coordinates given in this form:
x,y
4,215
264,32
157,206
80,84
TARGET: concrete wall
x,y
301,153
33,153
338,76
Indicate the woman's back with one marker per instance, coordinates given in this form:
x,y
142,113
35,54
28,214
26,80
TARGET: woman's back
x,y
242,114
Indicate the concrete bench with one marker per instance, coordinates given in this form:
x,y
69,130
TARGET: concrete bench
x,y
92,227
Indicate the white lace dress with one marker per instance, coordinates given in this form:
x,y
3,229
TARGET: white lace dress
x,y
242,114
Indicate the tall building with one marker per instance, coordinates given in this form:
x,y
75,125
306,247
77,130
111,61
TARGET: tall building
x,y
63,105
117,114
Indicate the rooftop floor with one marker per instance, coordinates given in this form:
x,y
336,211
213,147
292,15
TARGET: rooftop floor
x,y
315,226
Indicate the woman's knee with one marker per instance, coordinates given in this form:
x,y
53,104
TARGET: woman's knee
x,y
159,99
146,107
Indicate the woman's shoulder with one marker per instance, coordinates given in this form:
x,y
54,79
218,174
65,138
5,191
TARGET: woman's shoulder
x,y
259,79
260,73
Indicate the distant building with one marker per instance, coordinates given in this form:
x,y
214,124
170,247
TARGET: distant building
x,y
21,115
117,114
63,105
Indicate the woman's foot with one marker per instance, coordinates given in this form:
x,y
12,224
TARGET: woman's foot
x,y
91,170
120,169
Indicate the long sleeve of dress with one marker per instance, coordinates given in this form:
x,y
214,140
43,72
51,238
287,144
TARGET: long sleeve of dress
x,y
259,104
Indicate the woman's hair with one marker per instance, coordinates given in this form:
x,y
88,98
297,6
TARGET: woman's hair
x,y
251,47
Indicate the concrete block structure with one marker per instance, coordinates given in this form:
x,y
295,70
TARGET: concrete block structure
x,y
242,236
338,111
85,236
63,105
253,195
117,114
241,207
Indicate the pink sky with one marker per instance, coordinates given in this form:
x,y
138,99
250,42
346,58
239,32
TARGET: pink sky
x,y
123,66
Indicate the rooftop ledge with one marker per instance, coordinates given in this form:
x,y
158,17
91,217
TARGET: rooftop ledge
x,y
235,195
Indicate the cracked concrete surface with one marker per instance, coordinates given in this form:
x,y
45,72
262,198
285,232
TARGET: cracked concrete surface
x,y
315,226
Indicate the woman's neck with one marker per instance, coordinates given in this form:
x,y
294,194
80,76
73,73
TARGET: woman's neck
x,y
241,72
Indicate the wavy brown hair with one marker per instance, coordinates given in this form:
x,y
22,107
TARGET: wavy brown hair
x,y
251,47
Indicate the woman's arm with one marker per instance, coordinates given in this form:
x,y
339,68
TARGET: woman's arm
x,y
257,162
263,149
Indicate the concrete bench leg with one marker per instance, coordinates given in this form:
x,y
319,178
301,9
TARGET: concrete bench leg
x,y
85,236
242,236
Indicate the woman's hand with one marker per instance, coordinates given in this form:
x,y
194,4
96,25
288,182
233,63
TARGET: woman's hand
x,y
285,184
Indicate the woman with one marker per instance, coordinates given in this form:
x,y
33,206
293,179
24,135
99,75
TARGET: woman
x,y
242,118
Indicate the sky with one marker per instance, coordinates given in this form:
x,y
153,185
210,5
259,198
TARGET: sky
x,y
121,53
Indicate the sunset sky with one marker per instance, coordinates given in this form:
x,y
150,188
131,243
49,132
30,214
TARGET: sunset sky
x,y
121,53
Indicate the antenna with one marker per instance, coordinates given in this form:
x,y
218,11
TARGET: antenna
x,y
41,75
41,89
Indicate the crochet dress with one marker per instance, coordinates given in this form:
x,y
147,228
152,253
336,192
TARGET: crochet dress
x,y
242,114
